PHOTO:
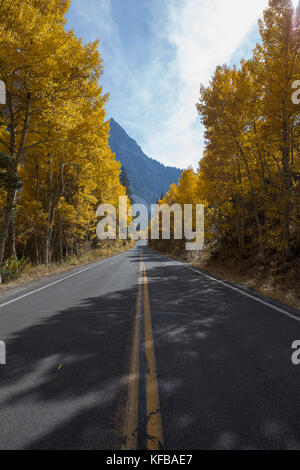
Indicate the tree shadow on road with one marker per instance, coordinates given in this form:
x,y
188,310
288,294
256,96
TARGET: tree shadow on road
x,y
67,375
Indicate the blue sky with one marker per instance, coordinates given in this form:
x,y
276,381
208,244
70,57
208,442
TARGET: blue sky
x,y
156,53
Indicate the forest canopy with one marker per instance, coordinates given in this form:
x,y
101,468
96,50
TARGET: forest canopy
x,y
56,165
249,176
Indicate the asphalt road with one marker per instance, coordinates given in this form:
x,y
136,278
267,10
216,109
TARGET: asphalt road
x,y
139,351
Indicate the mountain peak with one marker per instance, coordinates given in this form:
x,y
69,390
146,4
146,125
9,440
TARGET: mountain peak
x,y
148,178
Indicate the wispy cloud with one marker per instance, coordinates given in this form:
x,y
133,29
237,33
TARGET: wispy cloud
x,y
154,78
205,33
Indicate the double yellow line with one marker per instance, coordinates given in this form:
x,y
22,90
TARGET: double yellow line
x,y
143,378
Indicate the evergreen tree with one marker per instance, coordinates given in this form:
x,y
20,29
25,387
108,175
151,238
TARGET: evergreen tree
x,y
125,182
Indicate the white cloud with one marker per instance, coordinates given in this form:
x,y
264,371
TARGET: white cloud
x,y
155,100
205,34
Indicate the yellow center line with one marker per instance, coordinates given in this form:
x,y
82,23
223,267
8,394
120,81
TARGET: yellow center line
x,y
131,419
153,419
154,426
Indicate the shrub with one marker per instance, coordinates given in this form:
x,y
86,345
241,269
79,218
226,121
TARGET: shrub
x,y
12,268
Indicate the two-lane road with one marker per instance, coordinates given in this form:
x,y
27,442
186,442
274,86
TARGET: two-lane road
x,y
139,351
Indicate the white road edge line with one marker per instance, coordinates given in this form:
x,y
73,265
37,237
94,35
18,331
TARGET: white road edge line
x,y
223,283
59,280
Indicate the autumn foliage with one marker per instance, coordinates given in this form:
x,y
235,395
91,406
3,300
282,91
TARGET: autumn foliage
x,y
249,176
56,166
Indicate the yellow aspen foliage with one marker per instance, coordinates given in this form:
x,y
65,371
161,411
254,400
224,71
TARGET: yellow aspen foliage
x,y
55,157
249,176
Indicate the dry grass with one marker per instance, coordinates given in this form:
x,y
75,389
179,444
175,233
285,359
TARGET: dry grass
x,y
33,272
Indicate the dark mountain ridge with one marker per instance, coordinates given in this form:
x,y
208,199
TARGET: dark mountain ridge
x,y
148,178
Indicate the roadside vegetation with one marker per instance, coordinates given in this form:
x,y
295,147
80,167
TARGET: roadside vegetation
x,y
56,166
249,176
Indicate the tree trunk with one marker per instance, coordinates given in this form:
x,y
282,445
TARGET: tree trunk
x,y
61,255
287,182
17,154
11,198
